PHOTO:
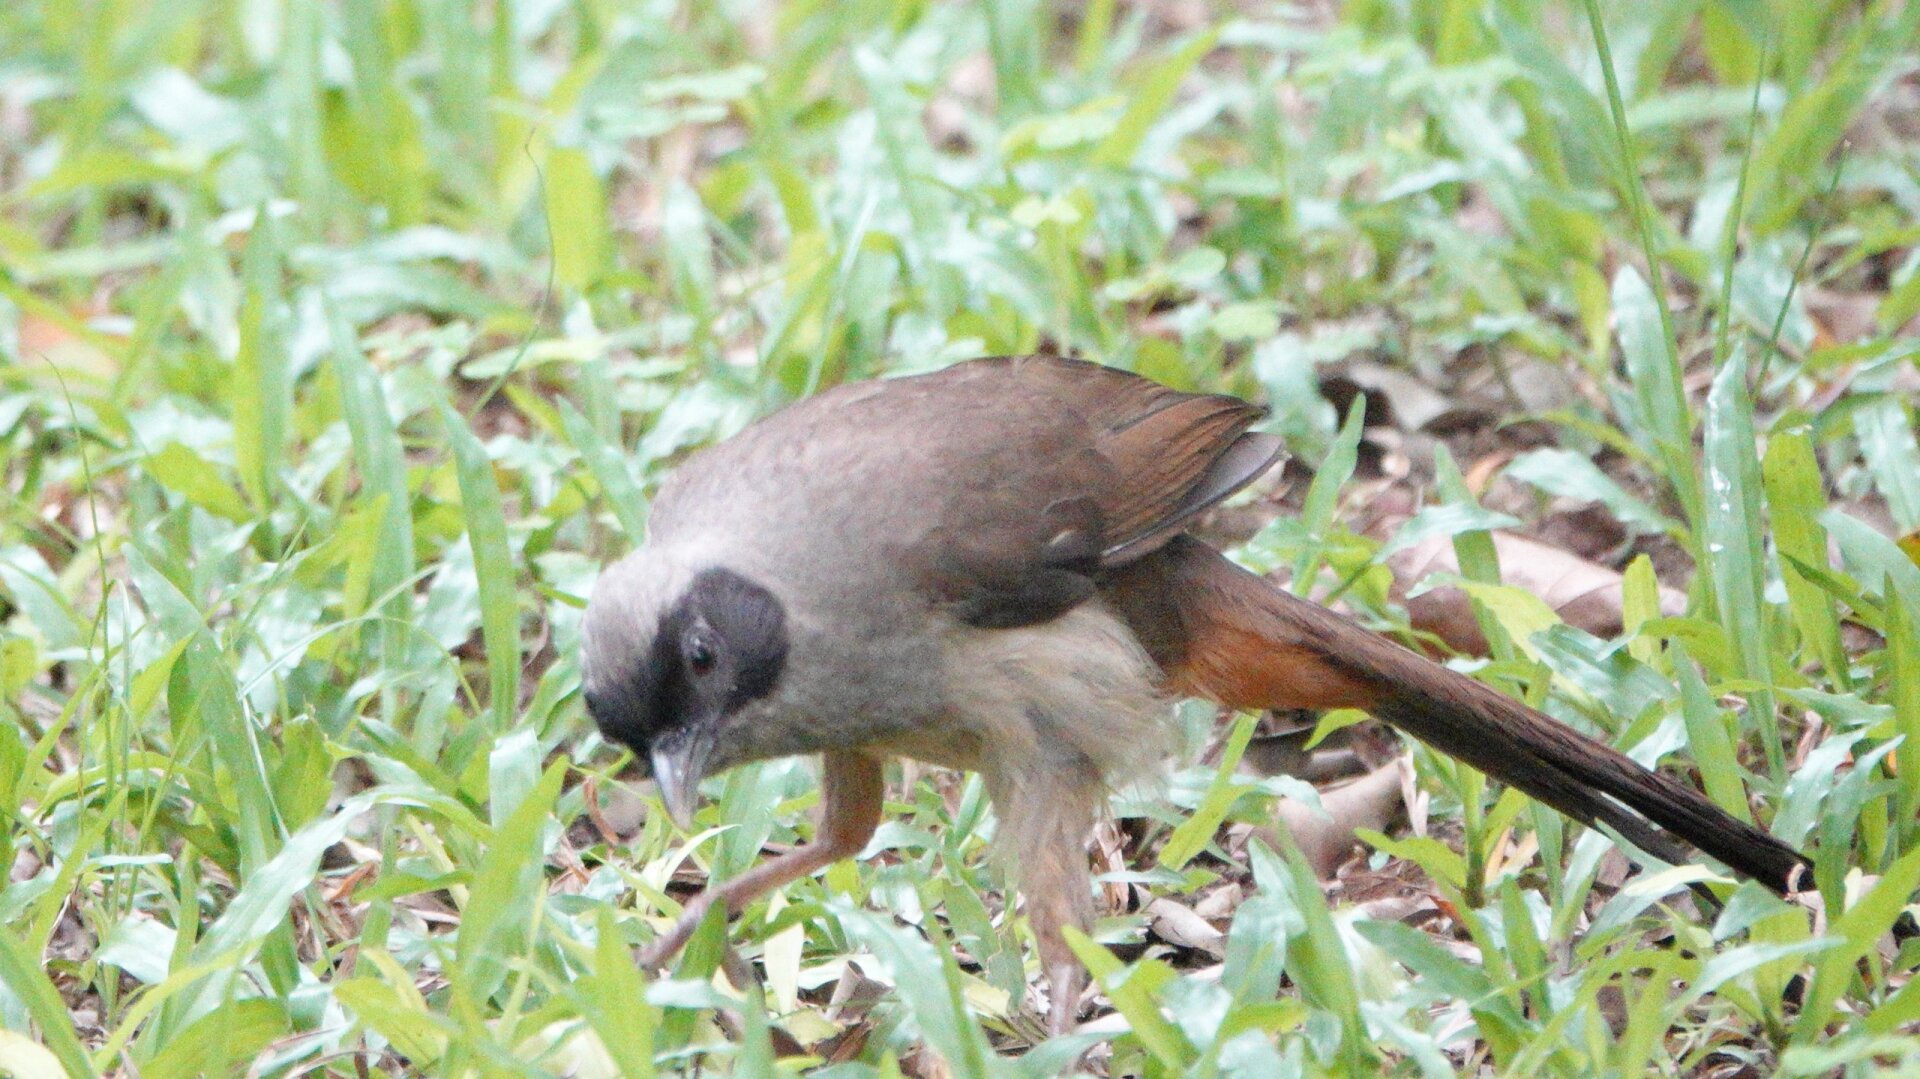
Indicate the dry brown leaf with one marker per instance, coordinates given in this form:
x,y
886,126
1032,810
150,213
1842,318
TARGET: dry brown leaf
x,y
1110,857
1282,751
1586,595
1221,902
1180,926
1396,908
59,341
1411,400
1368,802
1842,317
853,994
921,1062
1512,851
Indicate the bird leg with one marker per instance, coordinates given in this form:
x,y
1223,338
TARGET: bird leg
x,y
1045,814
1058,897
852,790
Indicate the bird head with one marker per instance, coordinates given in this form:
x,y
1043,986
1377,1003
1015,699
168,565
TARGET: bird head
x,y
675,656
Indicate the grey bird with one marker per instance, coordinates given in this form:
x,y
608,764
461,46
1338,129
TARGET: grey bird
x,y
986,568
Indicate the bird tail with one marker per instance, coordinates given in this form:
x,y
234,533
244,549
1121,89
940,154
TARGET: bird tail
x,y
1581,777
1227,634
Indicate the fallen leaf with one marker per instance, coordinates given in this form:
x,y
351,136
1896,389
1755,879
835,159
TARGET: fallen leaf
x,y
1327,840
1586,595
1178,925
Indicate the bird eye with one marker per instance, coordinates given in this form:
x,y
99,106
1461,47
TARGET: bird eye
x,y
700,655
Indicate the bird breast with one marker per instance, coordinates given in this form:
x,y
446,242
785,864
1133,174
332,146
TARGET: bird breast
x,y
1077,695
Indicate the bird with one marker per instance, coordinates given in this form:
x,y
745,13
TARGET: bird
x,y
988,567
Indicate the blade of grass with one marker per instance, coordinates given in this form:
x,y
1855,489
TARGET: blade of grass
x,y
1902,664
383,473
493,566
1710,737
262,390
1149,99
1885,430
608,465
1796,494
1732,537
1860,928
497,918
1323,495
27,979
1668,357
1132,991
613,998
1194,833
1730,234
1317,960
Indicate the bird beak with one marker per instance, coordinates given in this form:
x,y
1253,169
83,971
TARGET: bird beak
x,y
678,769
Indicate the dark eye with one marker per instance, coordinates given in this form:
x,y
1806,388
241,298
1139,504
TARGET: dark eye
x,y
700,654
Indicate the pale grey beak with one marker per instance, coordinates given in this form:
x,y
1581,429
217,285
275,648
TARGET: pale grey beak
x,y
678,770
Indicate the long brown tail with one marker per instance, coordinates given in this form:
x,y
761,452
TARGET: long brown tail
x,y
1225,634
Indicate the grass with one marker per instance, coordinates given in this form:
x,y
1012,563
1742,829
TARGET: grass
x,y
340,343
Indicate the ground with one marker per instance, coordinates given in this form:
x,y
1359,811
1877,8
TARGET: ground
x,y
340,344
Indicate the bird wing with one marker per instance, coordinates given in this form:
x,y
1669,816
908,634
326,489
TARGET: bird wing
x,y
1171,454
1056,469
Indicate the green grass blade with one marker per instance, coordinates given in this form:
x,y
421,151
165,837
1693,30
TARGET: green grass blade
x,y
1859,930
1886,431
1196,832
1149,99
1732,540
1795,496
607,464
1902,670
383,470
493,566
262,388
1711,738
507,889
27,980
576,205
